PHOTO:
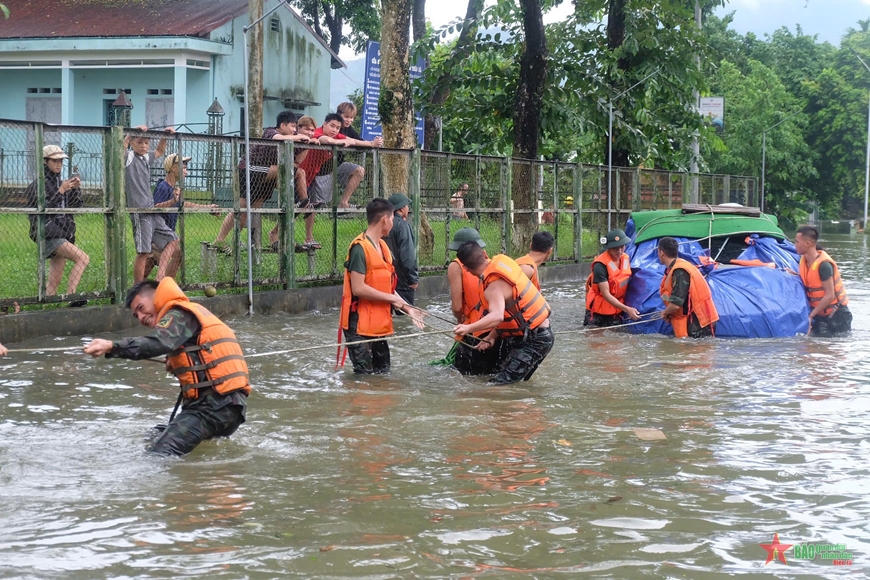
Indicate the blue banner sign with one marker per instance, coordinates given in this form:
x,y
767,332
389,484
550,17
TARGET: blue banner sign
x,y
371,120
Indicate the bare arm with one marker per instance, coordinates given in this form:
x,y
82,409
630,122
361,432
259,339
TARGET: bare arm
x,y
604,288
454,278
828,287
324,140
362,290
528,270
495,297
161,145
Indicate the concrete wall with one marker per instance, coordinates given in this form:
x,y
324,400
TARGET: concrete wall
x,y
89,85
14,85
90,321
295,65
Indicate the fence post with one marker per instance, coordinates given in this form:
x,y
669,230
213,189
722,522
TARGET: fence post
x,y
116,229
181,236
506,200
556,214
287,240
635,190
414,193
237,267
376,173
40,206
578,215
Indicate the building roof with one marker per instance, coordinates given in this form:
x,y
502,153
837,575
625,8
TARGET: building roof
x,y
112,18
125,18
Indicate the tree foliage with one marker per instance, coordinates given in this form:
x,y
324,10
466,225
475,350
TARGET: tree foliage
x,y
329,17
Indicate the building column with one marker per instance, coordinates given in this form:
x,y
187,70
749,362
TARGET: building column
x,y
179,91
67,90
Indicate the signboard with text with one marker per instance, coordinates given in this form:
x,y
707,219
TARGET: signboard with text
x,y
371,120
713,111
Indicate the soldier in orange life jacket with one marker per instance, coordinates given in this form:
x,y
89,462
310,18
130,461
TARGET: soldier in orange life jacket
x,y
465,303
540,251
370,292
608,283
688,303
513,310
829,315
201,351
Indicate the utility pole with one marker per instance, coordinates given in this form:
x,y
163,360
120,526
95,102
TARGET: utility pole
x,y
255,69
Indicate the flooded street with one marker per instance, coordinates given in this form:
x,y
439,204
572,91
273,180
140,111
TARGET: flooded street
x,y
425,473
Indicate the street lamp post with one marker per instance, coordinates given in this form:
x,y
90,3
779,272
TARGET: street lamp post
x,y
867,163
764,153
610,141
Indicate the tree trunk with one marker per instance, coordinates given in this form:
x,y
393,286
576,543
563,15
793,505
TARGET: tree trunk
x,y
335,23
396,107
527,121
465,40
418,19
255,71
615,38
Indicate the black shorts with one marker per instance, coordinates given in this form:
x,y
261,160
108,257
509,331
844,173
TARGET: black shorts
x,y
837,324
601,320
261,186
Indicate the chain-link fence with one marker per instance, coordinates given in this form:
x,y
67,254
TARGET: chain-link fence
x,y
110,206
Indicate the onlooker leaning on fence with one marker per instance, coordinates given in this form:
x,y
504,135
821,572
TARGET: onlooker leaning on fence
x,y
167,194
264,170
402,244
60,229
148,228
350,175
306,128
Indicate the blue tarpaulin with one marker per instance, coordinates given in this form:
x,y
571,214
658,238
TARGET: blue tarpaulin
x,y
753,302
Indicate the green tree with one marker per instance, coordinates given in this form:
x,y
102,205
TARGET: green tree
x,y
329,17
755,101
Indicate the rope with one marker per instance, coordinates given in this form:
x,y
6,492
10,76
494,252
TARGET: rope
x,y
414,335
590,329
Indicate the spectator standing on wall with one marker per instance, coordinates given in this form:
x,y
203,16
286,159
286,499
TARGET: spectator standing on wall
x,y
148,228
402,245
60,229
350,175
167,194
457,202
264,172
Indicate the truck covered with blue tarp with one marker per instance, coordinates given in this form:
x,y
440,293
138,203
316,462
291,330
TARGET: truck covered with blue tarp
x,y
762,300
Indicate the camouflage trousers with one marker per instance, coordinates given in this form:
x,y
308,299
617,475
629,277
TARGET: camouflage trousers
x,y
210,415
523,357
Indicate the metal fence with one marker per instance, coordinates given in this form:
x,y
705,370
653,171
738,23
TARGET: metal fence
x,y
449,192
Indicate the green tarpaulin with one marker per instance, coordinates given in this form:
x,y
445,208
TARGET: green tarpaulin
x,y
650,225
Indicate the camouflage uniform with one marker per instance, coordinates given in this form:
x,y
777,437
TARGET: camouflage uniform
x,y
209,415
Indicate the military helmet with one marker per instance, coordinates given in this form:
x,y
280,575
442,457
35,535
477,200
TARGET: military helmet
x,y
615,238
466,235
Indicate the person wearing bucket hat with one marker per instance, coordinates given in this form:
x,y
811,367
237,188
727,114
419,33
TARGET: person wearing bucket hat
x,y
401,242
465,304
60,229
608,283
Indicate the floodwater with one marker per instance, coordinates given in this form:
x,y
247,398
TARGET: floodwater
x,y
428,474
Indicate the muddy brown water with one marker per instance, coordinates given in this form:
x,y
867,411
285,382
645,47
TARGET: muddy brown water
x,y
428,474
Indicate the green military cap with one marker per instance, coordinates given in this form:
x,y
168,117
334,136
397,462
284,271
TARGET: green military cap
x,y
466,235
399,200
614,239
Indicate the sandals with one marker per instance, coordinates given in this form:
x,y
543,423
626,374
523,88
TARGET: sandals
x,y
311,245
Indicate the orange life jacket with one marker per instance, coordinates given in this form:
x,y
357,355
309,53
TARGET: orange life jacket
x,y
813,283
527,309
618,274
528,261
700,300
472,310
218,352
375,318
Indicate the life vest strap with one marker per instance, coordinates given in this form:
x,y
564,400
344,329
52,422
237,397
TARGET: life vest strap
x,y
214,382
204,367
206,346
